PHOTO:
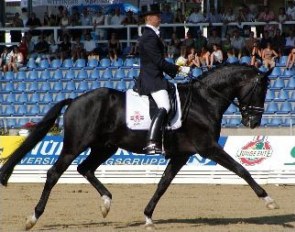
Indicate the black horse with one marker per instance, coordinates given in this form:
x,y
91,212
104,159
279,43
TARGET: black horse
x,y
96,120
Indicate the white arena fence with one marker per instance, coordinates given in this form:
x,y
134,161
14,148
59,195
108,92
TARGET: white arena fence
x,y
270,160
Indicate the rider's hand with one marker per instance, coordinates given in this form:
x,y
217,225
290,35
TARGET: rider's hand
x,y
184,70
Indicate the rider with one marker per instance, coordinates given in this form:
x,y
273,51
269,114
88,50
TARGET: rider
x,y
151,80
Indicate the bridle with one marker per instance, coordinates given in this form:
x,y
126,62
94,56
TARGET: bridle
x,y
247,109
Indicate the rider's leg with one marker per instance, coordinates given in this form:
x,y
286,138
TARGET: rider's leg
x,y
154,144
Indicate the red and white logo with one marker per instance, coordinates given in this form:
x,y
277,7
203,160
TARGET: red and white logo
x,y
137,118
255,151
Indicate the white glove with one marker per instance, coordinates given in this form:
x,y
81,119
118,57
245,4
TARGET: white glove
x,y
185,70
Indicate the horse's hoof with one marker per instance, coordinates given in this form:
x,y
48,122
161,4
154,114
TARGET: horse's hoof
x,y
270,203
31,221
105,205
150,227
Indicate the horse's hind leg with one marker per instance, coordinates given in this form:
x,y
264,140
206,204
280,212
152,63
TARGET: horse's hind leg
x,y
53,174
225,160
87,168
174,165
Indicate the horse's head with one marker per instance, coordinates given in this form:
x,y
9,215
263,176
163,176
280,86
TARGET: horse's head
x,y
252,98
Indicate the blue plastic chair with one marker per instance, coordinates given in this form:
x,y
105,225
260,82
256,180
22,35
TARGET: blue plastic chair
x,y
276,122
56,63
57,74
57,86
234,122
119,74
196,72
129,62
44,64
47,98
270,95
45,75
82,74
170,60
92,63
232,60
275,72
45,109
68,63
289,122
292,96
44,87
21,75
70,74
22,98
118,63
82,87
80,63
264,122
282,61
34,110
95,85
132,73
105,62
70,86
271,107
11,98
107,74
121,86
9,75
11,123
8,87
232,109
245,60
95,74
288,73
33,86
290,83
9,110
35,98
21,122
109,84
33,75
72,95
285,108
21,110
31,64
283,95
60,96
278,84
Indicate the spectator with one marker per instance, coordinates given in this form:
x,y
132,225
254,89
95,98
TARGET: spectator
x,y
216,56
64,22
265,39
279,42
114,44
268,56
15,36
226,44
290,42
131,20
24,15
231,53
75,21
117,20
237,41
166,18
214,38
53,48
291,58
59,15
174,46
77,49
291,10
204,57
256,56
182,59
249,44
282,16
179,18
267,15
65,48
40,49
192,58
196,17
98,20
5,58
213,16
34,22
189,40
17,60
89,44
200,41
133,50
229,17
24,47
113,55
85,17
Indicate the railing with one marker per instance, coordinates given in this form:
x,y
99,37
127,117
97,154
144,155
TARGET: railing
x,y
127,28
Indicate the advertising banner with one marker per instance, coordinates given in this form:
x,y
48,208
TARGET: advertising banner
x,y
68,3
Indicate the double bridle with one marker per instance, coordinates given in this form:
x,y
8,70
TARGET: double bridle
x,y
245,109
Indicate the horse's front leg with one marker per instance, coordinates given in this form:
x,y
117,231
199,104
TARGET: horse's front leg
x,y
218,155
174,165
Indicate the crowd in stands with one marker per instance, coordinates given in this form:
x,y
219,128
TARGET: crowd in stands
x,y
192,49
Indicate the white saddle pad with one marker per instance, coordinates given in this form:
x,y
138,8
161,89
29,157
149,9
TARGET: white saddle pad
x,y
138,112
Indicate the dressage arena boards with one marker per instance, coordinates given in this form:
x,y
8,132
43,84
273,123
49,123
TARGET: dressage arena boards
x,y
183,208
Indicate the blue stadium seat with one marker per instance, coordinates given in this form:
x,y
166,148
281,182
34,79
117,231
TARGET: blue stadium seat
x,y
60,96
9,110
44,87
234,122
263,69
47,98
22,98
57,86
290,83
44,64
70,74
35,98
282,95
132,73
275,122
121,85
196,72
292,96
33,75
289,122
271,107
245,60
9,75
11,123
34,110
67,63
270,95
45,75
31,64
119,74
21,122
11,98
278,84
72,95
21,75
105,62
57,74
21,110
107,74
118,63
95,74
170,60
109,84
82,74
45,109
232,109
70,86
264,122
80,63
20,87
95,85
282,61
275,72
92,63
82,87
33,86
288,73
129,62
8,87
56,63
285,108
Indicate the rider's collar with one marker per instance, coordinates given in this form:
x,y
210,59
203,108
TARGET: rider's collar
x,y
155,29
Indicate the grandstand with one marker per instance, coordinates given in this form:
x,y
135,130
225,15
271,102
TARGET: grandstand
x,y
28,94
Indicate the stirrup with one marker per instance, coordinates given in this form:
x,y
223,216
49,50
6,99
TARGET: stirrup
x,y
152,149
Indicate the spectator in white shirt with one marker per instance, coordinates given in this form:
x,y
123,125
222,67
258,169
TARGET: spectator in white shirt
x,y
196,17
98,20
89,44
290,42
291,10
237,41
216,56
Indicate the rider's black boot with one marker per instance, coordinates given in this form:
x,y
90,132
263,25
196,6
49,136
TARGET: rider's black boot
x,y
154,144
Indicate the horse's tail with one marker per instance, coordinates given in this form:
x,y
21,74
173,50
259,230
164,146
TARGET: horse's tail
x,y
34,137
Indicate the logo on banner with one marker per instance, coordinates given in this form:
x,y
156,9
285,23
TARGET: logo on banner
x,y
8,144
137,117
255,151
292,154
